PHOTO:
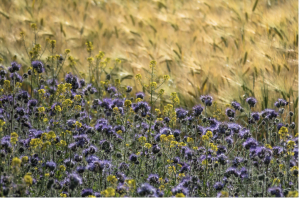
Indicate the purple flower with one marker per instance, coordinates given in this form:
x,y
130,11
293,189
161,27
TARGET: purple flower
x,y
250,143
207,100
146,190
153,179
133,158
197,110
74,180
230,113
38,66
219,186
236,105
140,95
251,101
269,114
86,192
51,165
281,103
255,116
231,171
180,189
275,191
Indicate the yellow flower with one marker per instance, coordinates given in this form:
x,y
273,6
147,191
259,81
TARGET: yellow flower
x,y
47,174
294,168
152,64
119,132
28,179
24,159
179,195
62,195
109,192
35,142
127,103
153,84
209,134
127,145
13,140
161,187
159,119
181,175
131,183
14,134
290,144
41,109
51,135
195,148
171,169
148,146
45,120
189,139
281,166
182,144
276,182
204,162
41,91
112,179
116,110
16,162
166,77
268,146
171,137
293,194
213,147
57,108
142,139
78,124
62,168
7,83
138,76
205,138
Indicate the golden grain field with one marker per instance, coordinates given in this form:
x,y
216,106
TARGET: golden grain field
x,y
226,48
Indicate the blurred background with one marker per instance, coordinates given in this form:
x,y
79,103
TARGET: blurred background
x,y
229,49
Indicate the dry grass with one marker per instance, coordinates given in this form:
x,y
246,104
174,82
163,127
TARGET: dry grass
x,y
226,48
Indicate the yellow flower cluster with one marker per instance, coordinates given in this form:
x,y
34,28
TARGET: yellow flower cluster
x,y
142,139
112,179
148,145
283,133
14,137
175,99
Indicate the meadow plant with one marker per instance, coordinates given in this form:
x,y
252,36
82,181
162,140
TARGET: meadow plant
x,y
68,138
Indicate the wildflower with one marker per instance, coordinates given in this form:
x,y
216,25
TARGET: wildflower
x,y
109,192
127,103
146,190
112,179
63,195
138,76
24,159
290,144
293,194
205,138
16,162
268,146
62,168
41,109
276,182
51,135
179,195
251,101
189,139
142,139
28,179
148,146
